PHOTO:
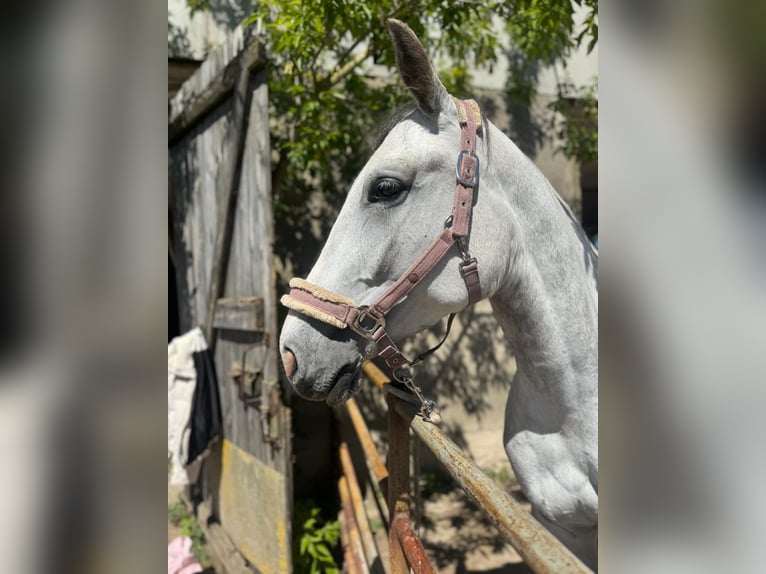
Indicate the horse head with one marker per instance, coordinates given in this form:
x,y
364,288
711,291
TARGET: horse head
x,y
399,203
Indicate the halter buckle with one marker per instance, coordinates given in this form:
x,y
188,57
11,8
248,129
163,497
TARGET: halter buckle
x,y
365,323
474,183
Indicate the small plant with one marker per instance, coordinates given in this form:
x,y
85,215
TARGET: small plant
x,y
177,511
180,515
314,541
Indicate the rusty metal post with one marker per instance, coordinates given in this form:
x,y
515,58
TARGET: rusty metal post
x,y
398,482
357,550
413,548
357,503
540,550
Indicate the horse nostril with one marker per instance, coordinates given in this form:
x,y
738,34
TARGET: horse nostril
x,y
289,361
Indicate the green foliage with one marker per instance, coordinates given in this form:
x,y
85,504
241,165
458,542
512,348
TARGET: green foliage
x,y
544,30
177,511
324,104
179,514
313,541
579,128
198,5
544,33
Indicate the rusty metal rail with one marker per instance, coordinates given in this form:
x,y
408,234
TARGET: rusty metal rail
x,y
345,540
357,506
358,562
375,466
536,545
373,458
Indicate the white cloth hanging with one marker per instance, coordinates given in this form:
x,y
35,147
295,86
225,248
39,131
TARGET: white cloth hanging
x,y
182,381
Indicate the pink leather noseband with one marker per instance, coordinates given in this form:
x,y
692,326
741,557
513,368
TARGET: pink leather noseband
x,y
368,322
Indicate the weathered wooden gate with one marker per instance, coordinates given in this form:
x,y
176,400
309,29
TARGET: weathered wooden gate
x,y
221,234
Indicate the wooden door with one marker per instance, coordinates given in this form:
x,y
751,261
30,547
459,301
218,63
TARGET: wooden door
x,y
221,245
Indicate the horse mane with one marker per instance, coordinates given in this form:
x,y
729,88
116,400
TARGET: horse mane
x,y
403,112
391,121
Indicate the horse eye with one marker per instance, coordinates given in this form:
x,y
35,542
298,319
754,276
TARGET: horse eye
x,y
385,188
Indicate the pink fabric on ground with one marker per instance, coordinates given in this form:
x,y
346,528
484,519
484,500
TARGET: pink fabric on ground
x,y
180,558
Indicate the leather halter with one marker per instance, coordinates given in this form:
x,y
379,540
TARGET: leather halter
x,y
369,322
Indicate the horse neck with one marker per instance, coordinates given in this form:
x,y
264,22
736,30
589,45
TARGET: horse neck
x,y
547,300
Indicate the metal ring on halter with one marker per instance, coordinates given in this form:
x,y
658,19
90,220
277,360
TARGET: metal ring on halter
x,y
365,323
475,182
402,374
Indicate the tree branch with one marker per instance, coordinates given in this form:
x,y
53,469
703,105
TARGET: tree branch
x,y
347,68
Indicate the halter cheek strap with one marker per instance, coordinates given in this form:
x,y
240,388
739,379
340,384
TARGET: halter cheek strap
x,y
368,322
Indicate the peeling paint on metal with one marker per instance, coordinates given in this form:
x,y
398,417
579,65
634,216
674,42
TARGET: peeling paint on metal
x,y
413,548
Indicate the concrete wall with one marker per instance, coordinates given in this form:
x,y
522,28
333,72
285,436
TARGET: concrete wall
x,y
193,36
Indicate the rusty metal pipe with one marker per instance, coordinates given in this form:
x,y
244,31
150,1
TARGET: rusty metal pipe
x,y
539,548
374,462
375,466
413,548
357,503
398,483
345,541
357,550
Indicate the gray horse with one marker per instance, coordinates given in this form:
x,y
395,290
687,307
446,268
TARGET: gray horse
x,y
536,266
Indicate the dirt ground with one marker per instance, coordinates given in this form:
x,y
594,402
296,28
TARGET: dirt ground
x,y
456,535
459,539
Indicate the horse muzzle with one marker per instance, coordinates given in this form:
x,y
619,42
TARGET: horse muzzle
x,y
322,363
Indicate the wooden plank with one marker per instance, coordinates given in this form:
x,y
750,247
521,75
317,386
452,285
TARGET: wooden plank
x,y
239,314
227,183
261,174
224,555
250,269
194,163
255,237
237,347
213,82
252,508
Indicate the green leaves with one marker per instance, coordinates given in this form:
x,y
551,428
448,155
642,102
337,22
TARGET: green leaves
x,y
179,514
325,100
315,541
544,30
578,130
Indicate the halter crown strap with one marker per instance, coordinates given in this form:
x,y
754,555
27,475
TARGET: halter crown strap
x,y
369,322
467,172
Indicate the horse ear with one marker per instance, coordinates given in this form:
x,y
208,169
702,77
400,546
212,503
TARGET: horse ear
x,y
415,68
